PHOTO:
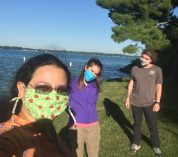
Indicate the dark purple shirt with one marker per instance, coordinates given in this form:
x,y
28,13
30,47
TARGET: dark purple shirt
x,y
83,102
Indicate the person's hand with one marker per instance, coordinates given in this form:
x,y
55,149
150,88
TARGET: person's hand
x,y
156,107
127,103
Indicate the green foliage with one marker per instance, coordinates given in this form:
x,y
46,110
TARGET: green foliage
x,y
130,49
141,20
127,69
145,32
172,31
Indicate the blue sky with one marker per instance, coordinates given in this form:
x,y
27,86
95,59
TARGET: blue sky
x,y
76,25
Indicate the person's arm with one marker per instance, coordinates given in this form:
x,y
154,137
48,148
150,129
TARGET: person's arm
x,y
156,106
130,88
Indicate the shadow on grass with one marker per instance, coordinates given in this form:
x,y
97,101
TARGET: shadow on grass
x,y
112,109
171,131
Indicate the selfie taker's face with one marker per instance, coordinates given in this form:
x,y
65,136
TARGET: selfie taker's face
x,y
49,75
46,94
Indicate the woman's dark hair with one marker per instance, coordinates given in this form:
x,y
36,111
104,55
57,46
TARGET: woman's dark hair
x,y
151,53
26,71
91,62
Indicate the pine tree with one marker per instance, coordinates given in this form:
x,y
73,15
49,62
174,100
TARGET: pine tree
x,y
147,21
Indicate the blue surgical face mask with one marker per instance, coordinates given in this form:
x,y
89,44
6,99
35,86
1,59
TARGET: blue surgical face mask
x,y
89,76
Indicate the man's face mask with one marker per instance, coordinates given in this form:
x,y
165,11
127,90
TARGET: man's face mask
x,y
45,103
89,76
144,62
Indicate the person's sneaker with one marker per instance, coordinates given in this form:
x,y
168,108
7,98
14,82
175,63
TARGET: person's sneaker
x,y
134,148
157,151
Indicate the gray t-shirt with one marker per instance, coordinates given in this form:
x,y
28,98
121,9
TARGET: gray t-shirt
x,y
144,88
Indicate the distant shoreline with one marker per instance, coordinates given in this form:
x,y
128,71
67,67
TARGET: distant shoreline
x,y
51,50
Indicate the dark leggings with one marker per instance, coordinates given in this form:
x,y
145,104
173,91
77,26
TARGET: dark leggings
x,y
151,121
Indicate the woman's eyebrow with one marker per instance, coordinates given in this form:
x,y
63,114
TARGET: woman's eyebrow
x,y
63,87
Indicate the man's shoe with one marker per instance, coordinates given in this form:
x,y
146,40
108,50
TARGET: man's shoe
x,y
134,148
157,151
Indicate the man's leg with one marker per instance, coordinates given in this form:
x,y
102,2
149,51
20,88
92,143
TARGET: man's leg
x,y
137,115
151,119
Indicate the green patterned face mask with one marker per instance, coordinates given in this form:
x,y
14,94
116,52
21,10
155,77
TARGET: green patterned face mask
x,y
45,105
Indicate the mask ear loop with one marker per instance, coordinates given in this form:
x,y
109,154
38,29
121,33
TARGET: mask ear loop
x,y
16,99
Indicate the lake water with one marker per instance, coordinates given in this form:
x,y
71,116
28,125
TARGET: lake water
x,y
11,60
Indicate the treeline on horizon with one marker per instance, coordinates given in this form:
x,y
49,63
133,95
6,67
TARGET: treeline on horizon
x,y
51,50
30,49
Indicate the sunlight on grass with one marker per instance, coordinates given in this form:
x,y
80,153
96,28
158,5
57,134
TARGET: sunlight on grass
x,y
116,126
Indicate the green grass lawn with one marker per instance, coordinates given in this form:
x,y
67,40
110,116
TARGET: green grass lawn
x,y
116,124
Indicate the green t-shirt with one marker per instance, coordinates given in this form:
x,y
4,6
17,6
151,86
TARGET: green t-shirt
x,y
144,88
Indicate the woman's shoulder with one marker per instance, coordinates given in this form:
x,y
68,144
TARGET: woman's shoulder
x,y
13,122
6,126
73,82
2,128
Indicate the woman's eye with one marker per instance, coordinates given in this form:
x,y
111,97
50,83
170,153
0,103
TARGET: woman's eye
x,y
43,89
62,91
